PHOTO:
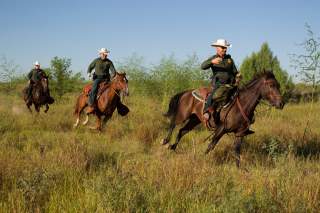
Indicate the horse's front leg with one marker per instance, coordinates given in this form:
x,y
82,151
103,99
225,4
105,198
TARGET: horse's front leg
x,y
217,136
106,118
29,107
47,108
98,122
37,108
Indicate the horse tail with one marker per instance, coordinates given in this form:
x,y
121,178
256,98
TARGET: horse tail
x,y
174,104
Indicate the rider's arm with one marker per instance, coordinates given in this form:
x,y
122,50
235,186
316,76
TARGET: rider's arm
x,y
92,65
207,63
30,75
112,70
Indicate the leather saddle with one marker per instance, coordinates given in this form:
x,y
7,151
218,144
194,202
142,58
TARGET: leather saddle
x,y
102,87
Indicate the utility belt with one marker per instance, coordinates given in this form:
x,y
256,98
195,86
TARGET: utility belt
x,y
105,76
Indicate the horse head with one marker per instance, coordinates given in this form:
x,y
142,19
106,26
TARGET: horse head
x,y
120,82
44,84
270,90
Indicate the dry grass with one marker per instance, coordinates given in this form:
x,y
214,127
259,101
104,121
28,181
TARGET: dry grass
x,y
46,165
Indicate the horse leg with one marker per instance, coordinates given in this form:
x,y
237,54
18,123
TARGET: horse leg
x,y
217,135
29,107
80,105
47,108
106,118
37,107
192,122
171,128
98,122
237,147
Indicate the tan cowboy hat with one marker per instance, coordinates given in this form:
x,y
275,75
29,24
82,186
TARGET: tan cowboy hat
x,y
104,51
221,43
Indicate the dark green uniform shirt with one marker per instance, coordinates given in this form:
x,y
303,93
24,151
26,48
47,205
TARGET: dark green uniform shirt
x,y
36,75
102,68
224,72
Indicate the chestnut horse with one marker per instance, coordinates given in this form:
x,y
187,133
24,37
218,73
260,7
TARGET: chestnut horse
x,y
108,100
235,118
39,96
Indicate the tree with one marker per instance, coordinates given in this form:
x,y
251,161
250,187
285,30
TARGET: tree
x,y
308,63
63,79
7,73
265,60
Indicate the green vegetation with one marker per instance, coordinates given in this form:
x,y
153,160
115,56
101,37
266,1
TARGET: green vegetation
x,y
265,60
46,165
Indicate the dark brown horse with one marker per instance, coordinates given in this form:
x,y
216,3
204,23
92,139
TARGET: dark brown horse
x,y
40,95
108,100
235,118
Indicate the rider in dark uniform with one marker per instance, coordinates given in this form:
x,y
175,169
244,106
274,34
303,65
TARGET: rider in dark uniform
x,y
224,76
34,76
103,66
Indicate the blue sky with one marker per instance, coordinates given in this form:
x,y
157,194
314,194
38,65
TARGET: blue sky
x,y
39,30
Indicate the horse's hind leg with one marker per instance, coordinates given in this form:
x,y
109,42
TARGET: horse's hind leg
x,y
237,147
192,122
80,105
171,128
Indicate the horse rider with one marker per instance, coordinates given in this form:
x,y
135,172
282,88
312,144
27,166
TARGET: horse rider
x,y
102,66
225,74
34,76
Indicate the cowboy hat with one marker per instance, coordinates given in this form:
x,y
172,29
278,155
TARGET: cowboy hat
x,y
104,51
221,43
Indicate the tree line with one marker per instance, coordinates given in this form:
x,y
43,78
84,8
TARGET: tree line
x,y
170,76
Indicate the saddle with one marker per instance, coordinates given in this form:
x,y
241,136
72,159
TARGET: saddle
x,y
202,94
101,88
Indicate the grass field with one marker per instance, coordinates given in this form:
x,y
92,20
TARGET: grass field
x,y
46,165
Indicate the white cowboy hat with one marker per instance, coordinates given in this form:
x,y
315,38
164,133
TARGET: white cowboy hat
x,y
221,43
104,51
36,63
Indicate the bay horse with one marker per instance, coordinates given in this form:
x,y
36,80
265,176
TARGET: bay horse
x,y
39,96
235,118
108,99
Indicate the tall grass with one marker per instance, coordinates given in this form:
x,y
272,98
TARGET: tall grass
x,y
46,165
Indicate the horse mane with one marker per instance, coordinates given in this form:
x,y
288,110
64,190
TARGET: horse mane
x,y
267,74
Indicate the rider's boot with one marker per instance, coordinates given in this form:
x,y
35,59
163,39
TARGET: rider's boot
x,y
207,108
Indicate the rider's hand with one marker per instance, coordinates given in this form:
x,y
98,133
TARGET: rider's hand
x,y
89,75
216,60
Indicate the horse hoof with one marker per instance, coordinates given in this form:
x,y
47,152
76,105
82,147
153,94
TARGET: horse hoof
x,y
164,142
172,147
